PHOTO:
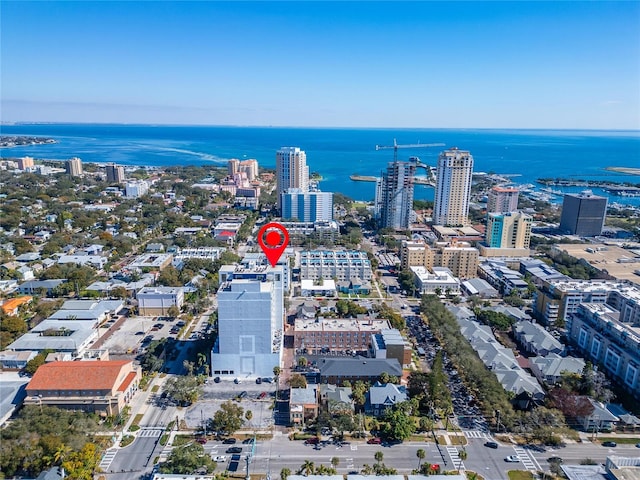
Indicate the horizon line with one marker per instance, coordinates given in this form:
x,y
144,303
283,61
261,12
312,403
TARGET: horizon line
x,y
319,127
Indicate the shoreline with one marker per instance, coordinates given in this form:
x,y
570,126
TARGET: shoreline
x,y
625,170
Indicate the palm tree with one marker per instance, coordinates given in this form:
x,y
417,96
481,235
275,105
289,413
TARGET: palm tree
x,y
335,461
463,456
307,467
378,456
420,453
284,473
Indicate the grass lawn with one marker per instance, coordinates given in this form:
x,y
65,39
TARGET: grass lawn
x,y
458,439
155,388
623,440
519,475
136,420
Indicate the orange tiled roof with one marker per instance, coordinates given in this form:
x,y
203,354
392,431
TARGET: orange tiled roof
x,y
127,381
85,375
13,303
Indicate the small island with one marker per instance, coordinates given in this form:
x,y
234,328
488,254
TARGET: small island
x,y
8,141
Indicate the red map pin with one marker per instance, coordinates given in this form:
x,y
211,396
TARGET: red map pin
x,y
273,238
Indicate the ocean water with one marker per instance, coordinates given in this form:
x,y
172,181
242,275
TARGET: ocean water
x,y
337,153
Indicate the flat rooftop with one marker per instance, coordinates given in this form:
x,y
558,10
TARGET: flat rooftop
x,y
619,262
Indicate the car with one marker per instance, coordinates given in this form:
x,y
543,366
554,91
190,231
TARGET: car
x,y
229,441
234,450
258,380
216,380
201,440
637,445
374,441
491,444
236,381
220,458
140,333
262,395
243,394
609,444
247,441
512,459
554,460
312,441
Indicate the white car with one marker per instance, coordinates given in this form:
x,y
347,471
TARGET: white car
x,y
512,459
220,458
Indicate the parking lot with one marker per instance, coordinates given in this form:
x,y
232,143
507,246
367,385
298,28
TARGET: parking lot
x,y
214,394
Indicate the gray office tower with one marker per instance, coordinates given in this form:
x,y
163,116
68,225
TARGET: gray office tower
x,y
583,214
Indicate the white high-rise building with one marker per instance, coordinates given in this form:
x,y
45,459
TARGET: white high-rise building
x,y
291,171
307,206
250,329
74,167
502,200
453,187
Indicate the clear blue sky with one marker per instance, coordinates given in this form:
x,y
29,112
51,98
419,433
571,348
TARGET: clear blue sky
x,y
379,64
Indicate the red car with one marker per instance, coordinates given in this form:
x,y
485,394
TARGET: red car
x,y
374,441
201,440
312,441
262,395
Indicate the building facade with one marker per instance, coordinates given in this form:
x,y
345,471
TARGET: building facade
x,y
343,265
583,214
307,206
459,257
104,387
74,167
502,200
323,335
509,230
154,301
291,171
250,329
25,162
394,195
453,187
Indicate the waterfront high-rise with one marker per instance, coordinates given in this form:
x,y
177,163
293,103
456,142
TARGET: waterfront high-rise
x,y
291,171
307,206
502,200
115,173
394,195
583,214
25,162
453,187
74,167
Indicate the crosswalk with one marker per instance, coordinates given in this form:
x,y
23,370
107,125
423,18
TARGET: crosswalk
x,y
528,462
455,457
476,434
108,457
150,432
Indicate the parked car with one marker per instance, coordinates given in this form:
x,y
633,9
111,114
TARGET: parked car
x,y
220,458
512,459
491,444
258,380
312,441
242,394
374,441
248,441
234,450
201,440
554,460
637,445
229,441
609,444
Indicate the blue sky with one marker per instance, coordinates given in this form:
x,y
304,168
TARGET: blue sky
x,y
366,64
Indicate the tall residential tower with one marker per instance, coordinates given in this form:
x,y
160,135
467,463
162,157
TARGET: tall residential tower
x,y
291,171
453,187
502,200
394,195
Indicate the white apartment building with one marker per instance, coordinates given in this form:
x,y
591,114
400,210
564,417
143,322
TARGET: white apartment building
x,y
307,206
202,253
440,282
343,265
250,329
136,188
453,187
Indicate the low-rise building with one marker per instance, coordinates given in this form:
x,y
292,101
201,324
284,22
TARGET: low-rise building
x,y
459,257
15,360
342,265
102,387
390,343
154,301
321,335
322,288
549,369
382,396
152,261
60,335
303,405
534,339
337,370
440,282
11,306
337,400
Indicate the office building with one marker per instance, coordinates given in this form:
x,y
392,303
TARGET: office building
x,y
394,195
250,329
509,230
307,206
115,173
502,200
583,214
291,171
453,187
74,167
25,162
154,301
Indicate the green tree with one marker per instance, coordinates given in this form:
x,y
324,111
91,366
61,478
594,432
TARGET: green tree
x,y
228,418
284,473
335,461
297,381
358,392
307,467
186,459
173,311
420,453
183,390
379,456
399,425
